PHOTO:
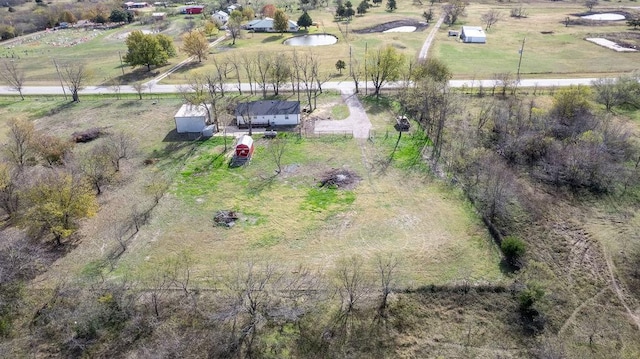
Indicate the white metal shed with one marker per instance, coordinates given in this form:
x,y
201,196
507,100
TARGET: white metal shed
x,y
473,34
192,118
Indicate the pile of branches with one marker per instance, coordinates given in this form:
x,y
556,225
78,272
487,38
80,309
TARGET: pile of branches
x,y
225,218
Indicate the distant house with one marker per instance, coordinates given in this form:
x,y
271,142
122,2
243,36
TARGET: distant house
x,y
192,118
268,113
473,34
266,25
159,16
136,5
220,16
230,8
192,9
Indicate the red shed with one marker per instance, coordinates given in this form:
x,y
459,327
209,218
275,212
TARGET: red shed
x,y
197,9
244,147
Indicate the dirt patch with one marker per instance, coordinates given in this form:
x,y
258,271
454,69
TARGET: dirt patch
x,y
629,40
420,25
340,178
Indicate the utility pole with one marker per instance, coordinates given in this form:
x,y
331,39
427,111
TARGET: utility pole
x,y
520,60
121,64
365,70
60,78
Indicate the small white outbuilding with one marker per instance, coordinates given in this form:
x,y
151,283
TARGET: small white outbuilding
x,y
192,118
473,34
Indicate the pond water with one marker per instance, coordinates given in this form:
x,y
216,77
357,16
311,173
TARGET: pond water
x,y
402,29
312,40
606,17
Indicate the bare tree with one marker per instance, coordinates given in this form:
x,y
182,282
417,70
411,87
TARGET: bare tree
x,y
139,87
506,81
236,67
386,265
490,18
119,145
74,76
277,147
454,10
156,186
97,167
249,65
264,63
20,141
590,4
13,75
351,282
519,12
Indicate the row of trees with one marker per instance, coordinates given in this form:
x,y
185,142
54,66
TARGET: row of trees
x,y
324,312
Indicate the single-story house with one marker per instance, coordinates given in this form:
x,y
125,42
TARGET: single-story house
x,y
473,34
159,16
192,9
192,118
230,8
136,5
266,25
220,16
268,113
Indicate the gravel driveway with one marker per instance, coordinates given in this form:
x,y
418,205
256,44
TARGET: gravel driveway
x,y
357,122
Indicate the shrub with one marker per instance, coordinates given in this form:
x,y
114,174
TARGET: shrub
x,y
513,249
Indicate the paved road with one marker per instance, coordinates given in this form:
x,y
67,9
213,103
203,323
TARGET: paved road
x,y
341,86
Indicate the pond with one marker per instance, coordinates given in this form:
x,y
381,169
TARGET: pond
x,y
604,17
402,29
312,40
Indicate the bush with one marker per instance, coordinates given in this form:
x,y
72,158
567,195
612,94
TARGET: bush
x,y
513,249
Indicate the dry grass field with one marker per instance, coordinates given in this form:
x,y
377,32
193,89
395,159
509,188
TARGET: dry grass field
x,y
287,219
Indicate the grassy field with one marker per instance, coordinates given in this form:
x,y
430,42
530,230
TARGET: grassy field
x,y
561,52
287,219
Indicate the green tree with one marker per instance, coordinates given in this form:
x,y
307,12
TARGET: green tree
x,y
384,65
391,5
57,201
280,21
194,43
362,7
377,2
119,15
633,22
349,12
148,50
305,20
340,65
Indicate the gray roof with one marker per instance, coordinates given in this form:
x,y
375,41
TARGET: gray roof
x,y
262,108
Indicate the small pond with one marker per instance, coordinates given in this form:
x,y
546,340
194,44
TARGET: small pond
x,y
402,29
604,17
312,40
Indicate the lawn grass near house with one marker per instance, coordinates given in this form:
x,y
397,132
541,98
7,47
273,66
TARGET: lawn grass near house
x,y
290,221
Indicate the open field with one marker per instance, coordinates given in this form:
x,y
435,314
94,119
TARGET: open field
x,y
398,212
561,52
